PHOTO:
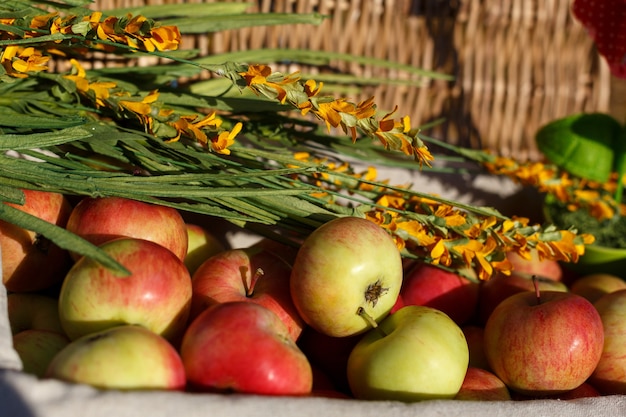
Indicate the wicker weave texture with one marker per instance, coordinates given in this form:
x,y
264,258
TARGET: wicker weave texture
x,y
517,63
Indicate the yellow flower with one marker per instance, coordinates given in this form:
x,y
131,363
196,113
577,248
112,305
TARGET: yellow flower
x,y
225,139
18,61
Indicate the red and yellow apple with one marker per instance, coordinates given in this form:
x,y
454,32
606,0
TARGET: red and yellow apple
x,y
346,265
156,294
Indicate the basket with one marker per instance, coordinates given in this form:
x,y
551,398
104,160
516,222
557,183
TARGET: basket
x,y
517,63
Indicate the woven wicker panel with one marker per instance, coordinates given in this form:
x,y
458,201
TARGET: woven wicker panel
x,y
517,63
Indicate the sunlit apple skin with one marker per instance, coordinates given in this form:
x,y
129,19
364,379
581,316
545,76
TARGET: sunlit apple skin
x,y
156,295
594,286
427,285
31,262
37,348
544,348
609,377
244,347
229,275
344,265
124,357
34,311
501,286
99,220
482,385
417,353
201,245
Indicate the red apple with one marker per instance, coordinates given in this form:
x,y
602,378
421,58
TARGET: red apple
x,y
250,274
544,344
585,390
430,286
544,268
609,377
122,357
346,271
244,347
329,354
482,385
594,286
475,337
156,294
500,287
201,245
31,262
37,348
99,220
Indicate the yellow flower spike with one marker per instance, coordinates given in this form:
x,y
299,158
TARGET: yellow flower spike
x,y
165,38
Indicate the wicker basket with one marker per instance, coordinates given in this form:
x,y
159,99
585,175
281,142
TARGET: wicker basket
x,y
517,63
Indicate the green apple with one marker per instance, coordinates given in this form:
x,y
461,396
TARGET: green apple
x,y
36,349
201,245
33,311
346,265
123,357
417,353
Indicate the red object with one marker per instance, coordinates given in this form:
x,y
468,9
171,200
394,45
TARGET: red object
x,y
606,22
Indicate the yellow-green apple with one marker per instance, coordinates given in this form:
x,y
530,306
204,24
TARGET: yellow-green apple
x,y
482,385
500,287
34,311
101,219
30,262
475,337
156,294
201,245
248,274
609,376
530,264
416,353
430,286
544,343
36,348
345,266
594,286
123,357
329,354
244,347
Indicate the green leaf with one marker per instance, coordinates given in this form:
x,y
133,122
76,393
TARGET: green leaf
x,y
41,140
13,119
220,23
159,11
61,237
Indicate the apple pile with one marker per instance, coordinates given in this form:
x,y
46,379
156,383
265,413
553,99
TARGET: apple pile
x,y
342,316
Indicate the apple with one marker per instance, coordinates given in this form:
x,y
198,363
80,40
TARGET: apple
x,y
585,390
101,219
201,245
36,348
500,287
544,343
346,265
428,285
286,252
544,268
30,262
156,294
594,286
249,274
475,337
123,357
244,347
416,353
609,376
32,311
329,354
482,385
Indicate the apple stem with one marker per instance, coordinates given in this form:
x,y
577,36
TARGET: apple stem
x,y
257,274
536,285
370,320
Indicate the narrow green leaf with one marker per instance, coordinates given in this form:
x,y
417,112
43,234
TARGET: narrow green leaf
x,y
41,140
159,11
11,119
